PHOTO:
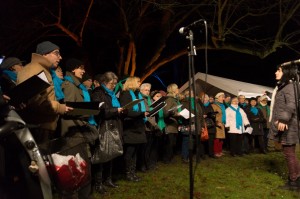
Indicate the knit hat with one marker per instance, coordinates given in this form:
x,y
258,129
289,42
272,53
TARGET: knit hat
x,y
264,97
153,93
9,62
73,63
45,47
219,94
99,78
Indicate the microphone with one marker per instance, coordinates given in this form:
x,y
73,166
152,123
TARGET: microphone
x,y
290,62
184,30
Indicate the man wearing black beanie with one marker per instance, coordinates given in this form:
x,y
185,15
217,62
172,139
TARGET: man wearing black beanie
x,y
43,109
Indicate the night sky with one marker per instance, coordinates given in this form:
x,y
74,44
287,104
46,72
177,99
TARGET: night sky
x,y
101,50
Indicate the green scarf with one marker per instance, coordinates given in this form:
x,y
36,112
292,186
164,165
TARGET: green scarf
x,y
161,122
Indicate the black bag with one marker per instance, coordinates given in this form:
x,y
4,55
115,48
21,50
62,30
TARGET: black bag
x,y
88,131
209,123
110,145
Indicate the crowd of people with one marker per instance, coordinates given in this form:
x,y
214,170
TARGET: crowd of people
x,y
235,124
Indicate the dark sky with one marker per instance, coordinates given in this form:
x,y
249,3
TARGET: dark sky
x,y
220,63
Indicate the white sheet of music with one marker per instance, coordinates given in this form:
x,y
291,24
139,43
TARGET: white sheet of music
x,y
186,114
42,75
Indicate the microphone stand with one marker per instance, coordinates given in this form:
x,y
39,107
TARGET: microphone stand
x,y
191,54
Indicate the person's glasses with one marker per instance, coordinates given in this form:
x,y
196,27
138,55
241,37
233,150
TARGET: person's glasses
x,y
57,53
112,83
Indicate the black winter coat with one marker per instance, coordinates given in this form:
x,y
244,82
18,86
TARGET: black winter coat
x,y
108,113
133,124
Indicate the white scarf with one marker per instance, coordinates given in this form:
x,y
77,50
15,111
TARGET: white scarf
x,y
272,103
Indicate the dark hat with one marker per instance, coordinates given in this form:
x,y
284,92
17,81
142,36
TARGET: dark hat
x,y
153,93
73,63
86,77
99,78
9,62
45,47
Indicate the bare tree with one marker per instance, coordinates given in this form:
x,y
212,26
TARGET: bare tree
x,y
141,30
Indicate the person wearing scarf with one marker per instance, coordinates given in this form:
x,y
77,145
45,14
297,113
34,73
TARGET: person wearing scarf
x,y
209,117
236,122
265,109
172,120
257,121
74,91
111,113
58,79
149,152
189,103
134,135
219,108
9,69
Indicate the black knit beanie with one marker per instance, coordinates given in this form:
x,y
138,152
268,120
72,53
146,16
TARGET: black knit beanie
x,y
45,47
72,64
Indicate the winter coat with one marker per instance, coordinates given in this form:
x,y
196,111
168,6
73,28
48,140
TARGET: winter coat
x,y
220,130
108,113
133,124
42,109
199,112
171,120
210,115
284,110
256,121
265,113
231,121
72,93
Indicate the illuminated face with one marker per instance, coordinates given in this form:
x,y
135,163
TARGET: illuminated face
x,y
54,57
59,73
78,72
145,91
279,73
157,96
111,84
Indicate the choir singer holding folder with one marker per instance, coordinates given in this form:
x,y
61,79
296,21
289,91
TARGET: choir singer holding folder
x,y
43,109
134,126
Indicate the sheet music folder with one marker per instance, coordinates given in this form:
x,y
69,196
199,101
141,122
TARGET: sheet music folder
x,y
132,103
157,108
27,89
84,108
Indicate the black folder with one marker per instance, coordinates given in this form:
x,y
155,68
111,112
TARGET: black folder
x,y
84,108
157,102
27,89
157,108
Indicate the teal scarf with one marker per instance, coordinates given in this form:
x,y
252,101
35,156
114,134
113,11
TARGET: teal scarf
x,y
114,100
86,97
59,94
136,107
160,120
11,74
254,110
206,104
223,111
192,101
238,117
148,101
265,107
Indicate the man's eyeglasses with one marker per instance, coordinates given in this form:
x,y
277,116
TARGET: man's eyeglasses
x,y
57,53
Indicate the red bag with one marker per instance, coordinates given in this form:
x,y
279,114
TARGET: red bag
x,y
204,133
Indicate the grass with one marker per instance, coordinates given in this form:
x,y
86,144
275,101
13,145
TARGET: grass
x,y
248,177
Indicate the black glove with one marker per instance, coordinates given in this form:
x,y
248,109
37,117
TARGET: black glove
x,y
246,126
172,113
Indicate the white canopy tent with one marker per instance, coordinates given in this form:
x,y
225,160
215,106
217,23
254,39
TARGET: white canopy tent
x,y
217,84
